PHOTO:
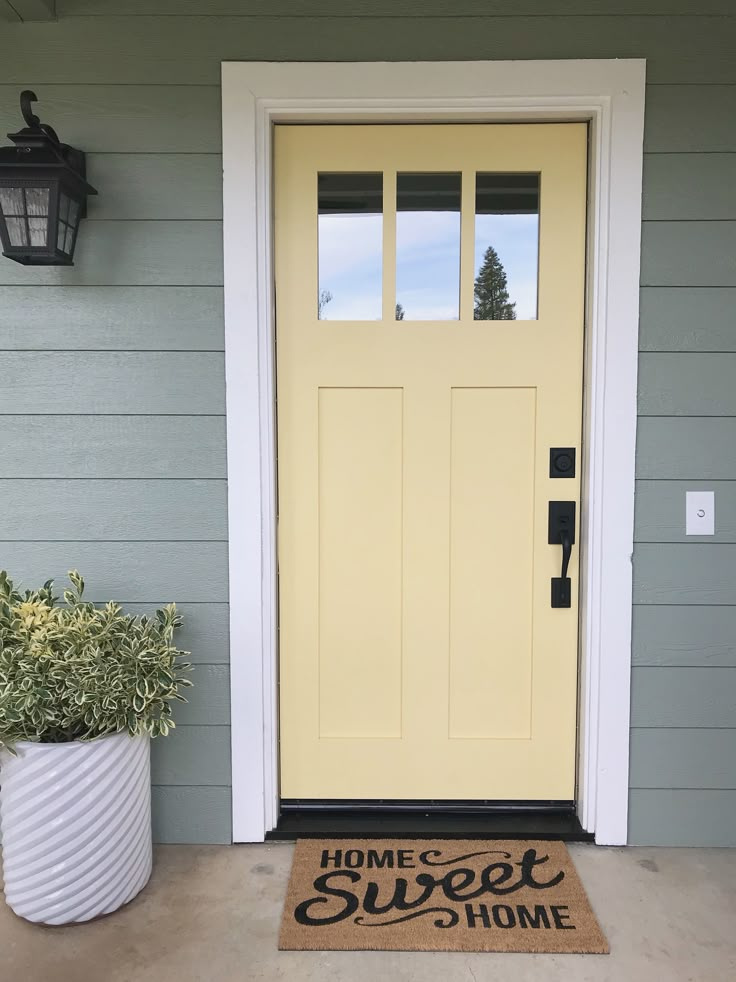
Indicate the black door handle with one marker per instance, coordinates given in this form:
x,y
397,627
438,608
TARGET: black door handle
x,y
562,531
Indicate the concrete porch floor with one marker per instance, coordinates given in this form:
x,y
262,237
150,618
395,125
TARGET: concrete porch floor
x,y
211,914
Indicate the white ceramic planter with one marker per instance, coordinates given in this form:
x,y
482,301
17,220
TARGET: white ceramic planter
x,y
75,820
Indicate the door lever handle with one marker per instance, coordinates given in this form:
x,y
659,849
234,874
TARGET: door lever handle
x,y
562,531
566,552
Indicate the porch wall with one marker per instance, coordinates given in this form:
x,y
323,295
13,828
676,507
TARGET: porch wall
x,y
112,372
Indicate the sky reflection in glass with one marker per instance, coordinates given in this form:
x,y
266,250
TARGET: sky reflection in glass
x,y
350,246
428,246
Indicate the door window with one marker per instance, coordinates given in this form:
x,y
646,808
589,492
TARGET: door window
x,y
350,209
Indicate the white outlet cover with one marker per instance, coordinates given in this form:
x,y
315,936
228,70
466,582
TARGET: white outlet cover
x,y
700,512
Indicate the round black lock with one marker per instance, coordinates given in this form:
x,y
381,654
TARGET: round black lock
x,y
562,462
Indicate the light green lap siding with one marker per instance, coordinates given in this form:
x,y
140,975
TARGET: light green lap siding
x,y
110,118
696,759
690,118
690,697
690,186
112,446
145,318
689,573
117,510
687,318
154,51
208,701
691,448
156,185
660,510
141,253
118,383
191,814
113,450
680,817
193,756
666,635
129,572
690,384
688,253
416,8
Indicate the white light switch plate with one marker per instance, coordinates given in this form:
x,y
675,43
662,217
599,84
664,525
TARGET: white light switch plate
x,y
700,512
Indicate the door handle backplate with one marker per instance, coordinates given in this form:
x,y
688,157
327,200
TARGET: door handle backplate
x,y
561,531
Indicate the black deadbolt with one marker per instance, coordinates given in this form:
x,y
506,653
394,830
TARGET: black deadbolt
x,y
562,462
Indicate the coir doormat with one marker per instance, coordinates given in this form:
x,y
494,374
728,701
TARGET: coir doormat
x,y
441,895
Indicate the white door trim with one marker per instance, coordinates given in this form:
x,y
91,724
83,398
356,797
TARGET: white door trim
x,y
610,94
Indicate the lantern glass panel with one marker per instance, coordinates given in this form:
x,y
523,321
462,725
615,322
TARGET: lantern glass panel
x,y
26,211
69,213
11,201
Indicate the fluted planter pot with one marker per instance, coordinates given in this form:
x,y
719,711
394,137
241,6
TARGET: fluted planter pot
x,y
75,821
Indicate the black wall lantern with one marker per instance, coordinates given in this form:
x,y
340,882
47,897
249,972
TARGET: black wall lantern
x,y
43,194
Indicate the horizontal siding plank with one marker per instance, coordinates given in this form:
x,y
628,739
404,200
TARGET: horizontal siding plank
x,y
683,758
660,510
113,510
694,573
204,633
689,186
153,318
168,253
192,755
670,817
125,118
689,384
113,447
208,700
155,186
190,50
686,448
688,253
191,815
684,636
120,382
690,118
687,318
383,8
155,572
683,697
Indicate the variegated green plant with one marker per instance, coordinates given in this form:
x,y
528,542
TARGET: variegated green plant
x,y
76,672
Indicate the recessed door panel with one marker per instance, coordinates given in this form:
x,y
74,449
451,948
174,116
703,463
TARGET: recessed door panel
x,y
360,562
491,562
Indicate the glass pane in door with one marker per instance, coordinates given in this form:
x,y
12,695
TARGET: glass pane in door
x,y
350,210
428,247
506,246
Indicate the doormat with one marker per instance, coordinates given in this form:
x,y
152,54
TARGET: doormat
x,y
441,895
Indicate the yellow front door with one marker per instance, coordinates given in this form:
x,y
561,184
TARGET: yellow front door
x,y
429,306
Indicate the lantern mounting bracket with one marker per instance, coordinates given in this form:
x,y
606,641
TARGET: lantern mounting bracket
x,y
38,135
26,98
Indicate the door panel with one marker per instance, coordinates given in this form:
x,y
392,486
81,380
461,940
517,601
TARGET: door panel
x,y
360,519
420,657
491,560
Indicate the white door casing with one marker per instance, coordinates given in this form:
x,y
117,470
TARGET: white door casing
x,y
610,95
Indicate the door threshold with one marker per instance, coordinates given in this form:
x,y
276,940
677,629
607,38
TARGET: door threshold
x,y
494,822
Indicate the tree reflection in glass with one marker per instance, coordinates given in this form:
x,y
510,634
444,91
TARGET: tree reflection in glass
x,y
506,246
